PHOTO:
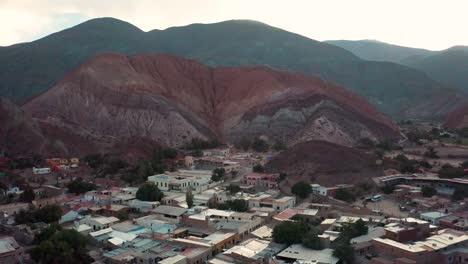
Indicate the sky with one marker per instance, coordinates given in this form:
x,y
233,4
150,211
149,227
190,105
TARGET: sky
x,y
430,24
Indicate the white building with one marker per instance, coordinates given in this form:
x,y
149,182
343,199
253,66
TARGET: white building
x,y
100,222
180,182
39,171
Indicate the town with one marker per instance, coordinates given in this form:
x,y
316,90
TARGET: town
x,y
210,203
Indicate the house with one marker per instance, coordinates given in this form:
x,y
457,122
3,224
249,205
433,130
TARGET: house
x,y
297,252
99,222
455,221
268,180
432,217
10,251
308,215
252,250
447,246
181,181
277,204
169,213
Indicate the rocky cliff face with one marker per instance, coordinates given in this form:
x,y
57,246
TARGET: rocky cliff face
x,y
458,118
171,100
18,132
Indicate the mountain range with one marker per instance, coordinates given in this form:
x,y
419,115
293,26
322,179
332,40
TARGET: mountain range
x,y
29,69
448,66
170,100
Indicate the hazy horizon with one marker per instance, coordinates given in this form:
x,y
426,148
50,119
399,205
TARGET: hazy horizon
x,y
418,24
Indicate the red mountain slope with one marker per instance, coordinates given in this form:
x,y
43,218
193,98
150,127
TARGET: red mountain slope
x,y
457,118
171,100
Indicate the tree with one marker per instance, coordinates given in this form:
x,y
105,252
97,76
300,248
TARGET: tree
x,y
344,195
27,196
197,153
149,192
213,201
122,215
218,174
311,239
238,205
301,189
388,189
48,214
189,198
425,164
289,232
79,186
258,168
64,246
234,173
145,169
431,153
260,145
283,176
233,188
278,146
344,251
428,191
401,158
361,227
459,194
169,153
245,143
47,233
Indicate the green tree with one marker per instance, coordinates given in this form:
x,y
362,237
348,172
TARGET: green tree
x,y
149,192
122,215
239,205
169,153
258,168
197,153
218,174
431,153
311,239
289,232
459,194
388,189
189,198
344,195
47,233
245,143
260,145
145,169
65,246
301,189
27,196
428,191
361,227
213,201
283,176
278,146
79,186
233,188
344,251
48,214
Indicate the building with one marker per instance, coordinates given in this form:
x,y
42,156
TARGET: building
x,y
169,213
455,221
308,215
10,251
297,252
252,250
277,204
13,208
432,217
447,246
182,181
268,180
211,163
100,222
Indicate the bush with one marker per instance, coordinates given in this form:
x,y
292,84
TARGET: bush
x,y
233,189
149,192
301,189
428,191
344,195
258,168
431,153
283,176
289,232
388,189
260,145
218,174
79,186
278,146
311,239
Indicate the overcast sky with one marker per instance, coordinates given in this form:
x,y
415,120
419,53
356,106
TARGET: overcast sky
x,y
431,24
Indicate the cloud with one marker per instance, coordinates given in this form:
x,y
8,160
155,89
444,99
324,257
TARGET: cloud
x,y
431,24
